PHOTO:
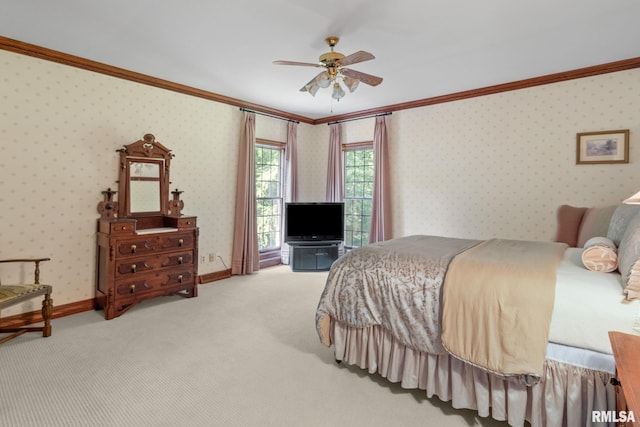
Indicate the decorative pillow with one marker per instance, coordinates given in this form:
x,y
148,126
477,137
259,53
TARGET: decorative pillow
x,y
568,220
632,290
600,254
620,220
628,256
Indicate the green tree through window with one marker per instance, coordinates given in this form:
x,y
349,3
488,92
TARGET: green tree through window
x,y
269,196
358,194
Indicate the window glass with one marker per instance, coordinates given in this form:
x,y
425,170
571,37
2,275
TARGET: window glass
x,y
358,194
269,196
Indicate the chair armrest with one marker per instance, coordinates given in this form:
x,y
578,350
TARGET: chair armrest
x,y
37,262
26,260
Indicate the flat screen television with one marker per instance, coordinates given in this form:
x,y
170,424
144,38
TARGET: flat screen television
x,y
313,222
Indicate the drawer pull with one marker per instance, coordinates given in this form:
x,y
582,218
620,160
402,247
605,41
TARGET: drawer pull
x,y
132,289
172,260
134,268
181,242
180,278
134,248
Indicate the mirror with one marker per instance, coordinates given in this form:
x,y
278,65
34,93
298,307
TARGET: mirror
x,y
144,178
144,186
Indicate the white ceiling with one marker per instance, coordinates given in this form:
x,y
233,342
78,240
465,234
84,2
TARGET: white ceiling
x,y
423,48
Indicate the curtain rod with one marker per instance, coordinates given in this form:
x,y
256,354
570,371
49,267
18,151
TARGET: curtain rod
x,y
359,118
268,115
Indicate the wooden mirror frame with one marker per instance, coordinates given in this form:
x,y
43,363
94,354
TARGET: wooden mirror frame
x,y
147,150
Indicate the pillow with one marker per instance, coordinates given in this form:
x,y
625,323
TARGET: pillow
x,y
628,256
568,220
632,290
619,221
600,254
595,222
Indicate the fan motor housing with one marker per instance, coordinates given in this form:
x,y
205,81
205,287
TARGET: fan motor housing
x,y
330,57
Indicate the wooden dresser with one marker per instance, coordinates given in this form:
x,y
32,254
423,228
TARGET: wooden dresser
x,y
134,265
145,246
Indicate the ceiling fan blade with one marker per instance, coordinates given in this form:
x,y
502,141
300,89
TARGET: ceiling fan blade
x,y
321,80
354,58
308,86
363,77
304,64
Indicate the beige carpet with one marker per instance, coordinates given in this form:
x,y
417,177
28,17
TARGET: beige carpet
x,y
244,353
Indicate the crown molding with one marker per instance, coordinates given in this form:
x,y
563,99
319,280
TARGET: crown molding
x,y
611,67
98,67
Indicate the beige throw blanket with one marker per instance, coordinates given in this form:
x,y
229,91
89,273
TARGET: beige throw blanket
x,y
497,302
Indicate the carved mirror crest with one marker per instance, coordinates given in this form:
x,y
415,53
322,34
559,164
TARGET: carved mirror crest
x,y
144,178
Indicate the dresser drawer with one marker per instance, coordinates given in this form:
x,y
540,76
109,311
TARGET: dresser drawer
x,y
176,241
158,242
181,222
137,246
135,286
142,265
187,222
177,277
176,258
154,282
121,227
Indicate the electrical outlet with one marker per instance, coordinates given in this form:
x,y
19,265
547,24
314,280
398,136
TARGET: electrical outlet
x,y
202,258
212,257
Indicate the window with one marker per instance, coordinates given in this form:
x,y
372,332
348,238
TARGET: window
x,y
358,193
269,194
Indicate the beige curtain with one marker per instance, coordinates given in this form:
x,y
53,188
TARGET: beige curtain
x,y
291,181
381,203
245,258
334,169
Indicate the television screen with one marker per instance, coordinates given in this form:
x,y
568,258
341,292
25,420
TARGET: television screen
x,y
314,222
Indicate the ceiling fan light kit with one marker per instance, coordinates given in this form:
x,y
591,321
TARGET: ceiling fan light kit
x,y
351,84
338,92
335,73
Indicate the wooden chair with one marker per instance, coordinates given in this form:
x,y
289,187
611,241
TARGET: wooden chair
x,y
15,294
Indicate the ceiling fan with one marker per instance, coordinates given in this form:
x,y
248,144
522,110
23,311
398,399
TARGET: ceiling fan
x,y
335,72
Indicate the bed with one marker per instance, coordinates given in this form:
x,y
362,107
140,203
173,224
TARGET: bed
x,y
516,330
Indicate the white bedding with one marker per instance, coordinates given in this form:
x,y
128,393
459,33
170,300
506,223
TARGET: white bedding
x,y
581,357
588,304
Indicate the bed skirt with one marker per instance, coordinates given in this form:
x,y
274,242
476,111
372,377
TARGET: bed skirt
x,y
565,396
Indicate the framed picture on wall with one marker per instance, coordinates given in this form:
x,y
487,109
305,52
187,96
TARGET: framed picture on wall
x,y
609,146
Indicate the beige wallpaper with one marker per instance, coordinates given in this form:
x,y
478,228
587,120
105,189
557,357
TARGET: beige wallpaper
x,y
59,131
490,166
499,165
313,154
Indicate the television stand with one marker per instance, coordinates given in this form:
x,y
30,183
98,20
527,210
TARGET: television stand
x,y
313,256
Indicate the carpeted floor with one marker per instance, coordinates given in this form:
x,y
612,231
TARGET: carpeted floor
x,y
244,353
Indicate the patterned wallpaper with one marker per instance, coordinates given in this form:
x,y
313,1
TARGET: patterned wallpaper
x,y
491,166
60,128
313,154
499,165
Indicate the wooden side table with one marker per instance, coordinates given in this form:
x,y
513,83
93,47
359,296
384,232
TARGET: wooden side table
x,y
626,351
